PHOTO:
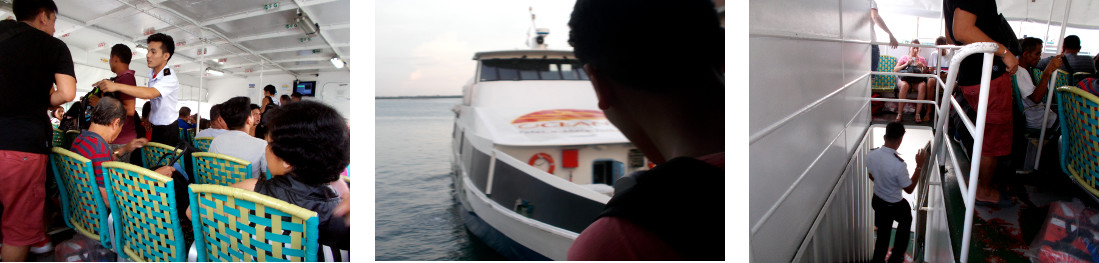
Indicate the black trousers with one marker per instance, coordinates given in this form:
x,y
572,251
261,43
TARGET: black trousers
x,y
166,134
884,215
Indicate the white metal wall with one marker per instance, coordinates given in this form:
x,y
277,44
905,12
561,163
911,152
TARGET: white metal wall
x,y
801,51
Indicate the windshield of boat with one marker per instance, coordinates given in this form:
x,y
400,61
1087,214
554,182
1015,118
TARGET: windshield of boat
x,y
531,69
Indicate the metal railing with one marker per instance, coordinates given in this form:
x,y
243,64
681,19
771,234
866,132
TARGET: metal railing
x,y
976,129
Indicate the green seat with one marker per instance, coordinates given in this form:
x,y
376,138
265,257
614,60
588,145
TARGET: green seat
x,y
202,144
147,220
220,169
233,224
153,151
1079,111
70,136
81,203
884,83
58,139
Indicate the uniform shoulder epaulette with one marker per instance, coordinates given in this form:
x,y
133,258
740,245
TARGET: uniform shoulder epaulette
x,y
898,156
167,72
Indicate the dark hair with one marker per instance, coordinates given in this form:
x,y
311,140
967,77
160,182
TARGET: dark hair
x,y
894,130
612,35
165,41
1072,42
107,110
184,112
915,41
235,112
122,52
269,100
254,107
313,138
204,124
940,41
145,109
284,98
296,95
270,89
26,10
215,111
1030,43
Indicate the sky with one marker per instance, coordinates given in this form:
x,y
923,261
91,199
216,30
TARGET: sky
x,y
425,47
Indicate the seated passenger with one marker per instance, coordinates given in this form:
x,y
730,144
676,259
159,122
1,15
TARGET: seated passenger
x,y
912,63
237,143
308,148
94,143
1072,62
184,121
1034,94
217,124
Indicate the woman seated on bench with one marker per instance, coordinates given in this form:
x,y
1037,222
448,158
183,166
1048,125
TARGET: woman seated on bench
x,y
912,63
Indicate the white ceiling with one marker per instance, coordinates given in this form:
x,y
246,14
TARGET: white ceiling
x,y
249,37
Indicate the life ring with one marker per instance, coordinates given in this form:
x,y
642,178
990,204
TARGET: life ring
x,y
535,157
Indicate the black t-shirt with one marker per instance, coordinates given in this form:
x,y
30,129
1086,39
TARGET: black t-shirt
x,y
30,60
988,21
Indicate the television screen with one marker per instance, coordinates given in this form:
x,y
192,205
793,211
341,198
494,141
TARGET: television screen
x,y
306,88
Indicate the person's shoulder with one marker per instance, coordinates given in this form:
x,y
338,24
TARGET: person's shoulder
x,y
613,238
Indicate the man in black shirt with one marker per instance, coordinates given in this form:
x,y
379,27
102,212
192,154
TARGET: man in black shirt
x,y
34,61
972,21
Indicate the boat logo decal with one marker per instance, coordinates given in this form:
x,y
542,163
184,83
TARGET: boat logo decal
x,y
563,121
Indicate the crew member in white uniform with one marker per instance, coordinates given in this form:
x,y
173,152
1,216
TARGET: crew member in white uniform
x,y
162,90
890,175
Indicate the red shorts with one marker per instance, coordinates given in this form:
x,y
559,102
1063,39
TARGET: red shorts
x,y
997,136
23,196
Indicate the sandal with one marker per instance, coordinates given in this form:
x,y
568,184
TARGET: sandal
x,y
918,120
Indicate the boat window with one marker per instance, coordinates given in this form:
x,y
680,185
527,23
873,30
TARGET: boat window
x,y
531,69
607,171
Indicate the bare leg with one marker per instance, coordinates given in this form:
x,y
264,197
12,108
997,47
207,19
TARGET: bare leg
x,y
985,191
11,253
903,94
921,94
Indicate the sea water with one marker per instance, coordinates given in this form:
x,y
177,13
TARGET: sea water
x,y
416,215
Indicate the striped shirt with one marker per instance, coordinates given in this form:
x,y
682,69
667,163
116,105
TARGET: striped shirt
x,y
94,147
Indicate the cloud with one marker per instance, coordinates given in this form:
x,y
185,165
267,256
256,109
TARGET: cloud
x,y
439,66
416,75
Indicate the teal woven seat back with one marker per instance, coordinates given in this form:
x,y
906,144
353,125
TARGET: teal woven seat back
x,y
234,225
220,169
58,139
152,152
146,218
82,205
202,144
1061,78
884,82
1079,113
186,134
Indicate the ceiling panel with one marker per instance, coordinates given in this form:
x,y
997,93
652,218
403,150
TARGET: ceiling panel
x,y
283,42
330,13
202,10
85,10
252,25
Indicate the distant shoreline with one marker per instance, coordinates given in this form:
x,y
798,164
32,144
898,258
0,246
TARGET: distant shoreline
x,y
420,97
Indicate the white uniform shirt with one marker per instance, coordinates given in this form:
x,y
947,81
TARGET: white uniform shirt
x,y
242,146
164,109
210,133
890,173
934,63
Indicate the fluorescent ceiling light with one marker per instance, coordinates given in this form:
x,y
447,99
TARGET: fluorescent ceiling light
x,y
141,49
337,62
214,72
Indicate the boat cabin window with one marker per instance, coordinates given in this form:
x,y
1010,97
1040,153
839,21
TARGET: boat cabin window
x,y
607,171
531,69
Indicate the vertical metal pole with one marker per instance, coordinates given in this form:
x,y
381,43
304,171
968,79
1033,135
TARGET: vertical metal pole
x,y
1064,26
1050,88
978,145
1049,20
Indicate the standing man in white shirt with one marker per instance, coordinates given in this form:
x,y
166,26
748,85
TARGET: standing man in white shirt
x,y
890,175
162,90
237,113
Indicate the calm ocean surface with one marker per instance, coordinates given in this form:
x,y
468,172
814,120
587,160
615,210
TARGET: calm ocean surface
x,y
416,215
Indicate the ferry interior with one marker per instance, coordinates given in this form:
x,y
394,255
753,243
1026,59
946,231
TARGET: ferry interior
x,y
817,108
223,49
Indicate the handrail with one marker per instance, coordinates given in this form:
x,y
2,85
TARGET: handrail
x,y
988,48
968,124
1045,115
773,127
